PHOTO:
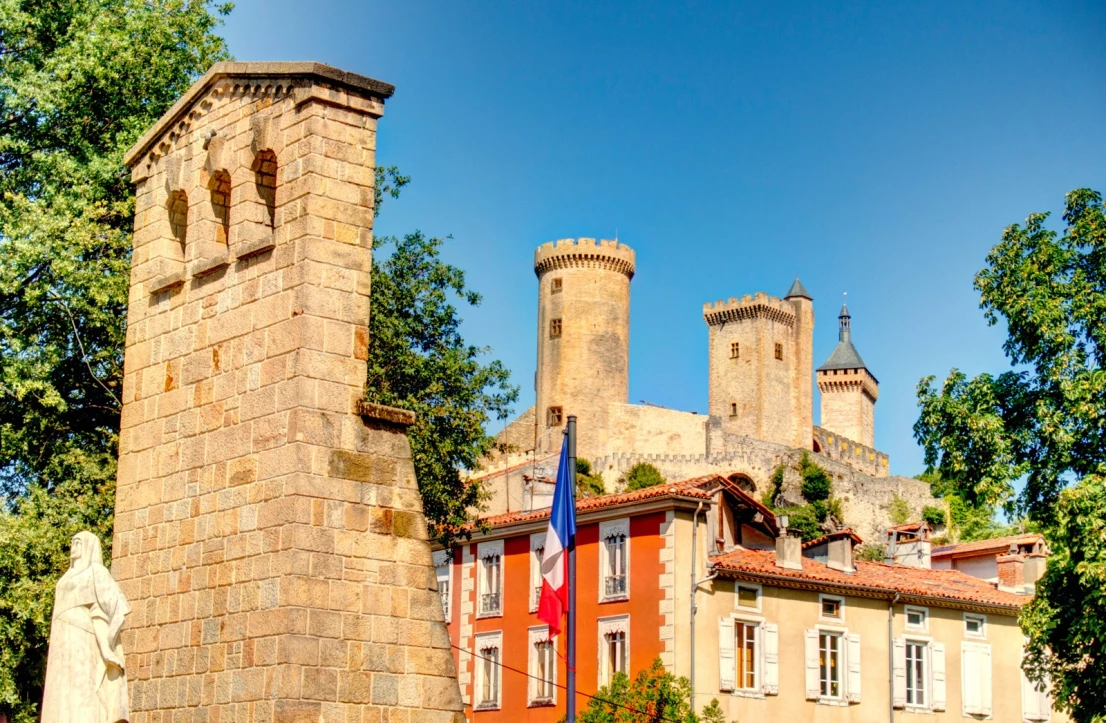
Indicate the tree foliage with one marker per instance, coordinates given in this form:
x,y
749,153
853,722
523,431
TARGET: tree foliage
x,y
654,696
640,476
1043,421
418,360
80,81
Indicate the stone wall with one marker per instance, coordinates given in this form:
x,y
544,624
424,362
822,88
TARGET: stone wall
x,y
269,531
636,427
849,403
862,458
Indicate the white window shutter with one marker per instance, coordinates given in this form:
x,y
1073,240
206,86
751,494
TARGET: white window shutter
x,y
812,684
940,689
899,674
985,679
727,664
971,694
852,659
1036,705
771,667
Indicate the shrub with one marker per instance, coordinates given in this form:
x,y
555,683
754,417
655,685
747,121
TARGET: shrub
x,y
872,552
933,515
899,510
775,483
640,476
803,520
588,484
653,695
817,485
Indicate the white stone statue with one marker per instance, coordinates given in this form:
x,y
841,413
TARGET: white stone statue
x,y
85,678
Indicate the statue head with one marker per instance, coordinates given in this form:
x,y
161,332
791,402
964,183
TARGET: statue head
x,y
85,550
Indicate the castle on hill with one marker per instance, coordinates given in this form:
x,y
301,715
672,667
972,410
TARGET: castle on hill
x,y
760,413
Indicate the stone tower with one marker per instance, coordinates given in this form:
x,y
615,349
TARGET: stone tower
x,y
583,338
760,353
849,390
269,531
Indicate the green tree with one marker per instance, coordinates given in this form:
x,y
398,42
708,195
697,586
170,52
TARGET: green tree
x,y
816,485
418,360
804,520
654,696
80,81
898,510
640,476
713,713
1042,421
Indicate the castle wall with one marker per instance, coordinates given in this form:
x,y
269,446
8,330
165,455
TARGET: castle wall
x,y
663,431
268,531
860,457
802,378
583,337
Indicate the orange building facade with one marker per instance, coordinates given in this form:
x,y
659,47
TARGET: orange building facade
x,y
490,588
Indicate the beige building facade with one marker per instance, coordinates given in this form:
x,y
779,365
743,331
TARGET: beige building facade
x,y
269,530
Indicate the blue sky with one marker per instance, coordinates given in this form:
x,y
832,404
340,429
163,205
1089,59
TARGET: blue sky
x,y
876,149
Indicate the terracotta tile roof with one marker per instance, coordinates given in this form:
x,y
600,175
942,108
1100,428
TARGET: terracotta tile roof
x,y
908,527
872,579
697,488
979,547
834,536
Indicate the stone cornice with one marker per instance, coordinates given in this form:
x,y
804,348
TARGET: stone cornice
x,y
585,253
756,310
299,73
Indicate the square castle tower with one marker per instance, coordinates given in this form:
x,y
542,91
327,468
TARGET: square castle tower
x,y
269,531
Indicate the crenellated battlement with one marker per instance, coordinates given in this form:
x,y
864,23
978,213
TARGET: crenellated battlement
x,y
759,305
584,253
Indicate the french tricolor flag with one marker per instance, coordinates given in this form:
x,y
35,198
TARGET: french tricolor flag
x,y
560,535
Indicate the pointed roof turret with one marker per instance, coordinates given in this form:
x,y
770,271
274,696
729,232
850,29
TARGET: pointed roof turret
x,y
845,355
798,290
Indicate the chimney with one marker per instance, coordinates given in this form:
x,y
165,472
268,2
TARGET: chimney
x,y
1034,569
789,550
841,555
1011,571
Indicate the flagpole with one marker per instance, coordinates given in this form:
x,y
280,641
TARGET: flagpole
x,y
571,703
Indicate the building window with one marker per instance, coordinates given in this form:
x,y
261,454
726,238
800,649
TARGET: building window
x,y
489,649
832,608
537,552
553,417
614,652
735,350
975,626
491,578
178,218
915,673
829,664
543,669
917,619
265,174
615,560
748,596
733,409
443,571
556,285
220,205
976,674
745,648
779,351
555,329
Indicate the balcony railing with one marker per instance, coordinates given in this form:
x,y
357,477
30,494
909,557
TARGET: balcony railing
x,y
489,603
614,585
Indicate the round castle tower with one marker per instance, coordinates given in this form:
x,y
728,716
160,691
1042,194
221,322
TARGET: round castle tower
x,y
583,339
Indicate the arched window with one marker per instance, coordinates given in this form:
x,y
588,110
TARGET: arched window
x,y
265,176
220,205
177,206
